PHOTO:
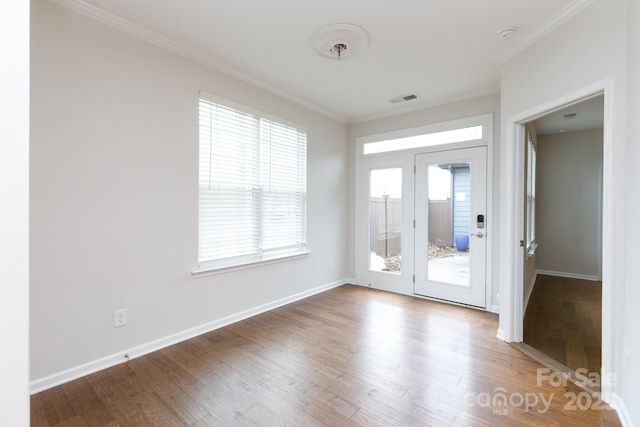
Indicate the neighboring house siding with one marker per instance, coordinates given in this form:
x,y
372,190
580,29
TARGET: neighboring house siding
x,y
461,204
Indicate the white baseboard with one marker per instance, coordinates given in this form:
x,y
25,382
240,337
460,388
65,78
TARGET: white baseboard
x,y
76,372
621,409
495,309
568,275
500,335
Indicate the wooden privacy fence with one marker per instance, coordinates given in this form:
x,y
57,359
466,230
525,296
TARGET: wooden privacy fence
x,y
440,223
386,225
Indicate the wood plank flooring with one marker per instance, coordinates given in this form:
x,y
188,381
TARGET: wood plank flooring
x,y
564,321
349,356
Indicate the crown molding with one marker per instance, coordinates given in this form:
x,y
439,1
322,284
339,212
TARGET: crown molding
x,y
128,27
82,8
562,16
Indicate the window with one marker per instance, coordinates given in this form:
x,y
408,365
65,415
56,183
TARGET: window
x,y
424,140
252,187
531,195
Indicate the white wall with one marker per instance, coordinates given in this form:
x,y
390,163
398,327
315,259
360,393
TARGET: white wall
x,y
14,213
457,110
631,338
115,200
568,203
587,49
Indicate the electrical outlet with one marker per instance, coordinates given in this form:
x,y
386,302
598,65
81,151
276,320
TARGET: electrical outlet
x,y
330,265
119,318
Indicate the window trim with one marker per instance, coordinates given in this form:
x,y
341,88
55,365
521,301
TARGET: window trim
x,y
207,269
484,120
222,265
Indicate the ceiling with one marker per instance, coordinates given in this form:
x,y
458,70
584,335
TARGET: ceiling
x,y
439,50
585,115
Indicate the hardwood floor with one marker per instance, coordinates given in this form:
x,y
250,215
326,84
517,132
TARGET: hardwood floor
x,y
349,356
564,321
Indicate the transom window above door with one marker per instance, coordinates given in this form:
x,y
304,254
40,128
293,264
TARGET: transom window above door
x,y
455,133
424,140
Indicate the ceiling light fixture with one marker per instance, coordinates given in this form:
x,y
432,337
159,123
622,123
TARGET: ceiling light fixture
x,y
338,47
340,41
507,33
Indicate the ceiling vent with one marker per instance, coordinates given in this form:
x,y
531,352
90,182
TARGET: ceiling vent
x,y
403,98
570,115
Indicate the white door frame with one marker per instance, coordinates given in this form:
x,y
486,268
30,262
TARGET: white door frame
x,y
512,211
390,158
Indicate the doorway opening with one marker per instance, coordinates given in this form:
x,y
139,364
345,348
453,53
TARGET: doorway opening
x,y
563,233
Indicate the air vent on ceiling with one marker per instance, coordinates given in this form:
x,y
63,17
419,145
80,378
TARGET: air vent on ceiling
x,y
403,98
570,115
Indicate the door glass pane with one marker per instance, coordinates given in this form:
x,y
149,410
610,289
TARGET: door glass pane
x,y
448,223
385,219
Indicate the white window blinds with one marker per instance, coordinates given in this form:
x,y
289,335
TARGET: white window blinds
x,y
252,181
531,193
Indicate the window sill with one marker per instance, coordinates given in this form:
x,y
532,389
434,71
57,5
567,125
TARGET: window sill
x,y
208,270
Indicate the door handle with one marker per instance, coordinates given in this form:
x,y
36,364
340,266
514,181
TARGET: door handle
x,y
479,235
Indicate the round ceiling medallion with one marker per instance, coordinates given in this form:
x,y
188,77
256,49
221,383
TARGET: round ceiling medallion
x,y
507,33
340,41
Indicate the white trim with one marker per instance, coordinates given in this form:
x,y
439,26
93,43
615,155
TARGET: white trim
x,y
71,374
15,27
128,27
209,270
568,275
511,253
484,120
621,409
491,227
562,16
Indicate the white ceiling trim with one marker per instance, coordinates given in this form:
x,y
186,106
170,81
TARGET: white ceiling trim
x,y
128,27
568,12
142,33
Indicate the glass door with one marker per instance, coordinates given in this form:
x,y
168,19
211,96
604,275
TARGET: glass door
x,y
450,232
384,242
385,220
